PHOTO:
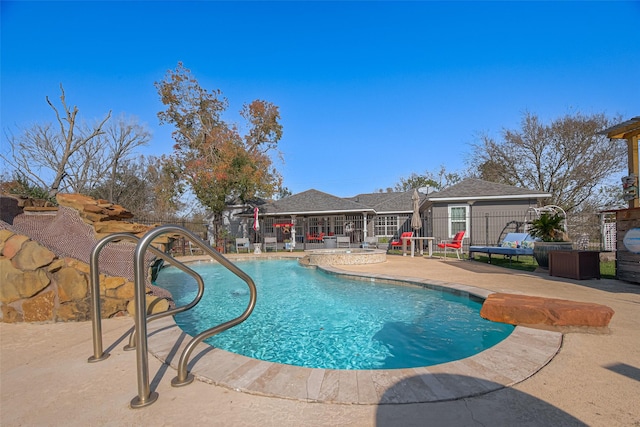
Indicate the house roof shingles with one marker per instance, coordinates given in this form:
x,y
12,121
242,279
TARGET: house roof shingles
x,y
396,202
475,189
314,202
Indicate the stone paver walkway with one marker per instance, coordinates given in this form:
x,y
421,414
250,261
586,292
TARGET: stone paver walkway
x,y
594,379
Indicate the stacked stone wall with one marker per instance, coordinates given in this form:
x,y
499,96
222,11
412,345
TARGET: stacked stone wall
x,y
39,285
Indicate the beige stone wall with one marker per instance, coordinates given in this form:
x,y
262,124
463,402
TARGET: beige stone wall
x,y
105,217
38,286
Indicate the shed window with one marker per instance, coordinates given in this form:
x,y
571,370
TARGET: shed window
x,y
458,219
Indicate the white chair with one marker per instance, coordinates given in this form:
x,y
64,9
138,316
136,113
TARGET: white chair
x,y
242,243
270,242
193,248
371,242
343,241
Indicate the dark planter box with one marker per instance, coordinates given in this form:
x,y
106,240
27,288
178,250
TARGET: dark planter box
x,y
577,265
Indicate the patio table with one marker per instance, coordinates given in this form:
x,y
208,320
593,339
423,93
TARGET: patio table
x,y
413,239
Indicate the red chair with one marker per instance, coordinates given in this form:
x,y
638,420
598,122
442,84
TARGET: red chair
x,y
315,237
455,244
398,242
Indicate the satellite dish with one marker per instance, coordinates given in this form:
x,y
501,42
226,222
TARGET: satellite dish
x,y
424,190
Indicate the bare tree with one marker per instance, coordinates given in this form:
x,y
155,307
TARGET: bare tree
x,y
145,185
123,138
567,158
77,158
88,167
98,162
43,155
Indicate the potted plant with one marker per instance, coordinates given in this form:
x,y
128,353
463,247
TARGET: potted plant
x,y
383,243
549,229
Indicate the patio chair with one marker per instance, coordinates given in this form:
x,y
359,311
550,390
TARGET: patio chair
x,y
243,243
270,243
315,237
455,244
371,242
398,243
194,249
343,241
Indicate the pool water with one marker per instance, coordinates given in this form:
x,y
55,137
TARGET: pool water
x,y
306,317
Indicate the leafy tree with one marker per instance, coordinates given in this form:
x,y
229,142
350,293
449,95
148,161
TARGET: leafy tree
x,y
215,161
167,188
437,181
282,193
567,157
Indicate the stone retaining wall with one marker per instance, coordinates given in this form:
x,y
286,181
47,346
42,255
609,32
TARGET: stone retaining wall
x,y
38,285
345,256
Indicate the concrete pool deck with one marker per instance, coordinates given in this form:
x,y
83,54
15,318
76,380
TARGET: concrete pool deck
x,y
593,380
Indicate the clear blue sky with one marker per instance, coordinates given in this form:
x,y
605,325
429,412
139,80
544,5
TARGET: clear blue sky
x,y
369,92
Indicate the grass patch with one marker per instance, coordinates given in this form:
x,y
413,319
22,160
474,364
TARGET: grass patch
x,y
607,268
525,263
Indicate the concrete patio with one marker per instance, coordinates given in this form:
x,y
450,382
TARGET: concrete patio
x,y
594,379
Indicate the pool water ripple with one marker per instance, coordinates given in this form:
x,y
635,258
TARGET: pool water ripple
x,y
306,317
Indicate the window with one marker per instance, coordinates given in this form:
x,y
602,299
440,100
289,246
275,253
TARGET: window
x,y
355,223
267,226
338,226
315,224
386,225
458,219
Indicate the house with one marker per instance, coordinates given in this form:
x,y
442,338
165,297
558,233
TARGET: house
x,y
316,214
484,209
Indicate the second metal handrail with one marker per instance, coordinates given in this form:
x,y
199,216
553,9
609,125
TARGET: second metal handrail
x,y
145,396
174,262
139,337
96,317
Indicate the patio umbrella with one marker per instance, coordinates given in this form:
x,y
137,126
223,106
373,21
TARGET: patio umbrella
x,y
256,227
256,223
293,237
416,222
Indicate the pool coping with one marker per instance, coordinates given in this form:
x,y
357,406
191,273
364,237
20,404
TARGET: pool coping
x,y
519,356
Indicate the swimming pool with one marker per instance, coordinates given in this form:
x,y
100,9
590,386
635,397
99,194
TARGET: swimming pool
x,y
306,317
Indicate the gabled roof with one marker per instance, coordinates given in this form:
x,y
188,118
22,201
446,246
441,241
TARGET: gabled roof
x,y
312,201
396,202
478,189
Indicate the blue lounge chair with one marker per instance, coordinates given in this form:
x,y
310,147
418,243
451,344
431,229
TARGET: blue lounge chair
x,y
514,244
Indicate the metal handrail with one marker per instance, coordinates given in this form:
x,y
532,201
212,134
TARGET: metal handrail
x,y
96,318
174,262
94,285
145,396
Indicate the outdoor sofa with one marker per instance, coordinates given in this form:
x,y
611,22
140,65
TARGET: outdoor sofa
x,y
514,244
